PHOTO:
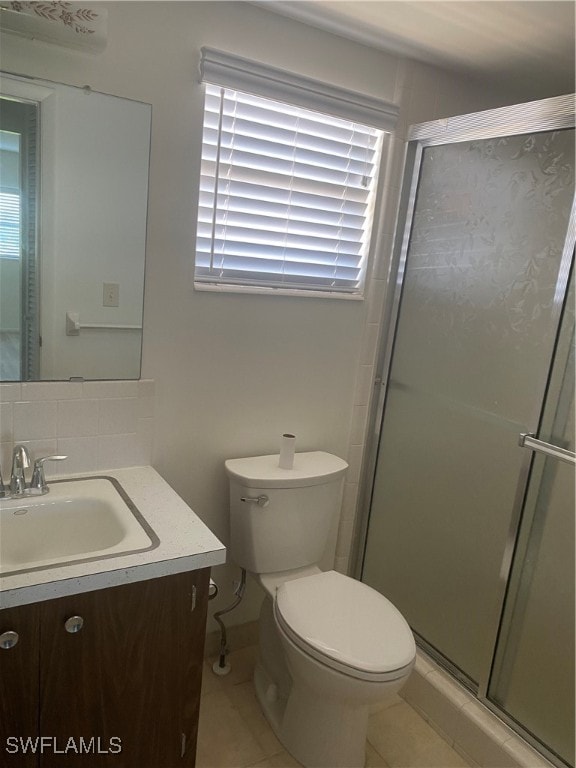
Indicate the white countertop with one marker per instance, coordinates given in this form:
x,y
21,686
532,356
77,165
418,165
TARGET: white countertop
x,y
186,544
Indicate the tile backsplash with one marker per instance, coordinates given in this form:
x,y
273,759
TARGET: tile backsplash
x,y
98,424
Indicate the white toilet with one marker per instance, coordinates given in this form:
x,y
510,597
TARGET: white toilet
x,y
330,646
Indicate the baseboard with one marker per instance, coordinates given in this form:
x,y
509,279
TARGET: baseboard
x,y
465,723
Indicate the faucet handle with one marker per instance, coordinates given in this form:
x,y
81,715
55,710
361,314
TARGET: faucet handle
x,y
38,483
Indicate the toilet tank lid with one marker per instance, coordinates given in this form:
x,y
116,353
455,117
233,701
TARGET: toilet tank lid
x,y
310,468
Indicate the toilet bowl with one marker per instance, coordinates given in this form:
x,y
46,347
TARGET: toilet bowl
x,y
329,646
346,648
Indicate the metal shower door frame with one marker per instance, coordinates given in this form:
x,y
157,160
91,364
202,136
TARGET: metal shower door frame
x,y
555,113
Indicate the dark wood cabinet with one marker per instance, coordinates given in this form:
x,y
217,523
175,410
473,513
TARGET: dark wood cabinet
x,y
19,679
122,690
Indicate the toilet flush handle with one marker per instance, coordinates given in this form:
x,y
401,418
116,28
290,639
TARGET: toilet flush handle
x,y
262,500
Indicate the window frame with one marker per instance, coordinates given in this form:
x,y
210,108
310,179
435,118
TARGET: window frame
x,y
237,74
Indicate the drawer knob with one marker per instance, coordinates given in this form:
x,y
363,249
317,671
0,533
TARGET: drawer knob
x,y
74,624
8,639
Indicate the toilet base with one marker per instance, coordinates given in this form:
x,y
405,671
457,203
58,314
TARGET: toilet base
x,y
272,705
318,733
324,734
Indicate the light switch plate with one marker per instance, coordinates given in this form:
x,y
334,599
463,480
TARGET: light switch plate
x,y
110,294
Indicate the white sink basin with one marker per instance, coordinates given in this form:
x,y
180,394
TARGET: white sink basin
x,y
78,520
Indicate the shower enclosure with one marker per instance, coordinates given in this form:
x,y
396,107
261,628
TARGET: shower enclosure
x,y
470,528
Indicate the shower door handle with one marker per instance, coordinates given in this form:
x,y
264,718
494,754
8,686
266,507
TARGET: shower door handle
x,y
527,440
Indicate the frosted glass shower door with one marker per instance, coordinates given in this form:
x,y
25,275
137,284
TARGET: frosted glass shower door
x,y
474,338
533,677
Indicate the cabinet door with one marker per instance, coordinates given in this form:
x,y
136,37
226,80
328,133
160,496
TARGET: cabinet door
x,y
129,678
19,686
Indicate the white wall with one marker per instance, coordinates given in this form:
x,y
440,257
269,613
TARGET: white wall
x,y
233,372
94,196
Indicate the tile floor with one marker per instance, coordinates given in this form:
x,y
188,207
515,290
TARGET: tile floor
x,y
233,732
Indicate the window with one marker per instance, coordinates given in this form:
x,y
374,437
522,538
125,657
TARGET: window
x,y
286,192
9,224
11,154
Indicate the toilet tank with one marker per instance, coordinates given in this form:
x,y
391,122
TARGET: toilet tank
x,y
292,529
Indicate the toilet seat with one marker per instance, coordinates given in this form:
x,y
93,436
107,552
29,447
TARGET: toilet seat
x,y
346,625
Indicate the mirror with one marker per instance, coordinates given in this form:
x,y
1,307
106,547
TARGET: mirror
x,y
73,204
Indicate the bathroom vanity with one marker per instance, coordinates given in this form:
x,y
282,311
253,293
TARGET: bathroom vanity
x,y
105,663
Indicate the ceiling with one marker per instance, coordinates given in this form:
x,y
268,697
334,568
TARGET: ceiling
x,y
519,42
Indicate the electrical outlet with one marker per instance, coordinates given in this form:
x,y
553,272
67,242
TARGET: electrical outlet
x,y
110,294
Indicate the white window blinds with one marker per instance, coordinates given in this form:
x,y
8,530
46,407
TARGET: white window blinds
x,y
286,195
9,224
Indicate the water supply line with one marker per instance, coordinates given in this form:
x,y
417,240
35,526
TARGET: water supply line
x,y
221,667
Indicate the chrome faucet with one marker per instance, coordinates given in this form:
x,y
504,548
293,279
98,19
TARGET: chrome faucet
x,y
20,462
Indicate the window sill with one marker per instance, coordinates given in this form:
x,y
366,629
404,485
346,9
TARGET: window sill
x,y
305,294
